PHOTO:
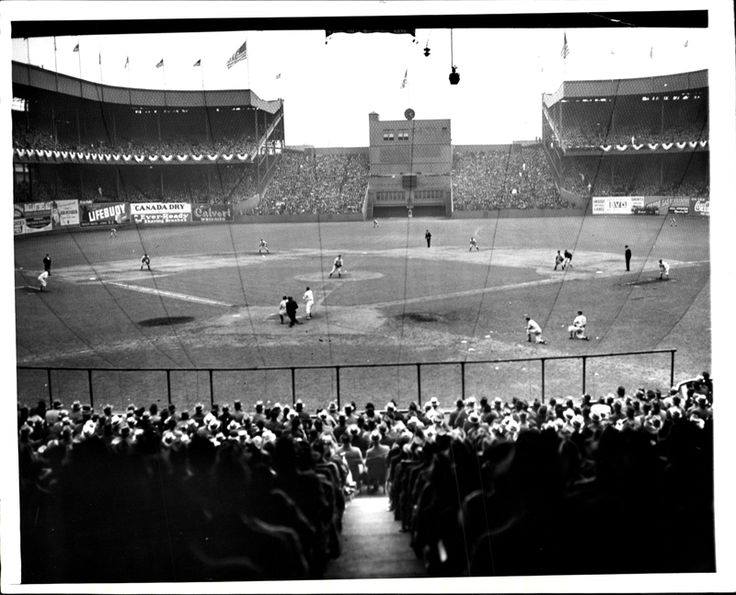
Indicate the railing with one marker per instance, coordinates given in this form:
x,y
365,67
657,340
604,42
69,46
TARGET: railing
x,y
338,368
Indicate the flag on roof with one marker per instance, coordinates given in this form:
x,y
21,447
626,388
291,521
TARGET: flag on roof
x,y
160,63
403,82
240,54
99,59
197,63
651,52
565,48
127,61
278,76
76,48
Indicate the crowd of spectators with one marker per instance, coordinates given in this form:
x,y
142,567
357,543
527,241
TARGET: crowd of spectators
x,y
224,184
679,176
510,177
35,138
306,183
594,135
621,483
151,494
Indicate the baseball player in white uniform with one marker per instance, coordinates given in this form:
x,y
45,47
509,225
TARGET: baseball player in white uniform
x,y
308,299
473,244
577,328
337,266
282,308
42,279
664,270
534,330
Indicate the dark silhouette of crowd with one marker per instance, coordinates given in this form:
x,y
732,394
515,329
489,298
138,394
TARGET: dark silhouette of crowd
x,y
621,483
670,175
511,177
308,183
165,495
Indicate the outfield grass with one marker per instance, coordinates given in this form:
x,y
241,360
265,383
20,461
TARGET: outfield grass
x,y
398,302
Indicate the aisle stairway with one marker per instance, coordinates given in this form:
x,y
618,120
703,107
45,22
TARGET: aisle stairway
x,y
372,544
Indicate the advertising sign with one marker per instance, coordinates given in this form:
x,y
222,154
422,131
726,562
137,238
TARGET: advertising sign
x,y
31,217
700,206
161,212
646,210
679,210
102,213
65,212
615,205
212,213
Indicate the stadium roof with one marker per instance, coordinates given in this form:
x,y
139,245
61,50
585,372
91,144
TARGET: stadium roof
x,y
669,83
40,78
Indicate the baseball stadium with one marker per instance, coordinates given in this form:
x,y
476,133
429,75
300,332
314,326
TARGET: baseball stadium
x,y
157,233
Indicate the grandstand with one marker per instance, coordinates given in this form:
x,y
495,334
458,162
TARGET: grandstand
x,y
644,138
78,140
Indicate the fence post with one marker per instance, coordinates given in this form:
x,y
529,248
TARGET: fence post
x,y
543,360
462,380
337,386
584,361
419,384
48,382
89,383
212,389
168,386
672,368
293,386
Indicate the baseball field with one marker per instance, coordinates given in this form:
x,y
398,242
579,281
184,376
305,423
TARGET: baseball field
x,y
210,301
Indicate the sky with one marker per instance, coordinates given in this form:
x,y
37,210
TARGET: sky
x,y
329,88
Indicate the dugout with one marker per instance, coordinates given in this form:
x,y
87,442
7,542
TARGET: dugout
x,y
410,168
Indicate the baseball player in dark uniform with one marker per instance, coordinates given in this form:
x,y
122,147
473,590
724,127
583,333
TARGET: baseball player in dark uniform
x,y
627,256
428,237
47,264
145,261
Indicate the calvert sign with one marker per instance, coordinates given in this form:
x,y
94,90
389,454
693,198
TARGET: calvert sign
x,y
616,205
161,212
212,213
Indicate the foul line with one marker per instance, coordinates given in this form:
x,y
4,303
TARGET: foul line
x,y
169,294
456,294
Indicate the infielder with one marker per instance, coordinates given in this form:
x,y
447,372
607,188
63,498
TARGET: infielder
x,y
145,261
473,244
577,328
664,270
263,247
308,299
337,266
558,260
282,308
534,330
